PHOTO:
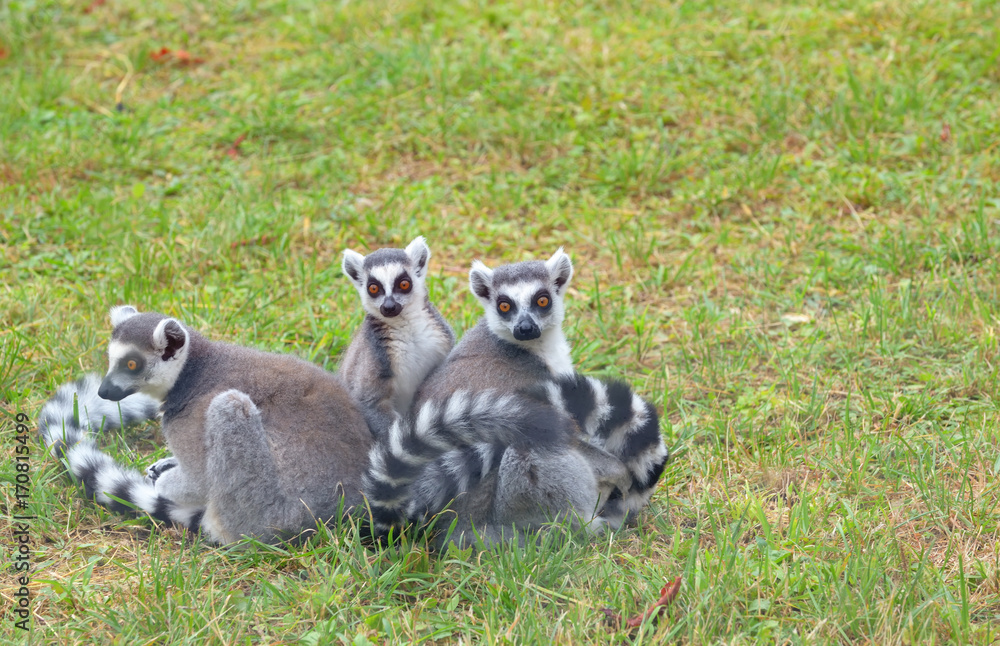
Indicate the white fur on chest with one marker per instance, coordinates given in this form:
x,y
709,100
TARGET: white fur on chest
x,y
553,349
417,346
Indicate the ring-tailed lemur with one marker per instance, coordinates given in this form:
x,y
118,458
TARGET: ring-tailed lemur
x,y
524,308
403,336
263,444
519,345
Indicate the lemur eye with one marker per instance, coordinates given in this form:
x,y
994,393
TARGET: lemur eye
x,y
373,289
404,285
132,365
543,301
504,306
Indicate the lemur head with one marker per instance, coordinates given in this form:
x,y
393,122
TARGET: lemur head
x,y
146,354
523,301
390,281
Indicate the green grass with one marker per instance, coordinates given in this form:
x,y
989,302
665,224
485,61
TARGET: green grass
x,y
784,220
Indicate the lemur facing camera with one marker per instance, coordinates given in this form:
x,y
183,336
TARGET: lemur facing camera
x,y
613,455
264,445
403,336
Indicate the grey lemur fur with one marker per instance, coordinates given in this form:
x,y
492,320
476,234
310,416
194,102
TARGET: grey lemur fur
x,y
403,336
519,346
264,445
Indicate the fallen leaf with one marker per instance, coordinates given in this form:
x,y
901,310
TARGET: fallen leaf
x,y
668,593
94,5
234,150
184,58
945,132
179,56
252,242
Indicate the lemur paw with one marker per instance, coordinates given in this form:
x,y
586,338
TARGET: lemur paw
x,y
158,468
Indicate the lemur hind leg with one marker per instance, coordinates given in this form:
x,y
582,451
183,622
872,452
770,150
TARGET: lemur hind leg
x,y
242,481
539,485
531,488
613,482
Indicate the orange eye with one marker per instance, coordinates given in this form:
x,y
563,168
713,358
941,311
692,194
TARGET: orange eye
x,y
543,301
504,307
131,364
404,285
373,289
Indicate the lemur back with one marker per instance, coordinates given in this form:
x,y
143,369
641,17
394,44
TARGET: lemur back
x,y
402,338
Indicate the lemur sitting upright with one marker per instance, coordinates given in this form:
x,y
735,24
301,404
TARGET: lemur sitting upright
x,y
403,336
519,347
264,445
521,310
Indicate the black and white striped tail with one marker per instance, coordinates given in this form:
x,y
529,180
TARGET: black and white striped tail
x,y
69,433
619,421
456,424
60,425
453,473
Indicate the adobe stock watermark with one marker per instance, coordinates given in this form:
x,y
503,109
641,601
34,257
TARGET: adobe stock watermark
x,y
21,523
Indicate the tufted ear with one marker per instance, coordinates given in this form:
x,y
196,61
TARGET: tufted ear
x,y
169,338
121,313
481,281
419,254
352,265
560,269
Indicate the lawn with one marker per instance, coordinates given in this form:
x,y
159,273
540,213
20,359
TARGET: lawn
x,y
785,222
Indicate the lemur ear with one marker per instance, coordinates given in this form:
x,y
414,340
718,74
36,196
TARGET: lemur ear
x,y
353,262
560,269
419,254
169,338
480,279
121,313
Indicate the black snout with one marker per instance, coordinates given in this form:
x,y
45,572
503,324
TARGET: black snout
x,y
390,307
111,392
526,330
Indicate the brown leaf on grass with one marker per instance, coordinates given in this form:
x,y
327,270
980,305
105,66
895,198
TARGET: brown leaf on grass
x,y
177,56
252,242
94,5
234,150
945,132
3,52
668,593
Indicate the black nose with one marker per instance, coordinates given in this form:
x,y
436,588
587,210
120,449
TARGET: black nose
x,y
390,308
111,392
526,330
